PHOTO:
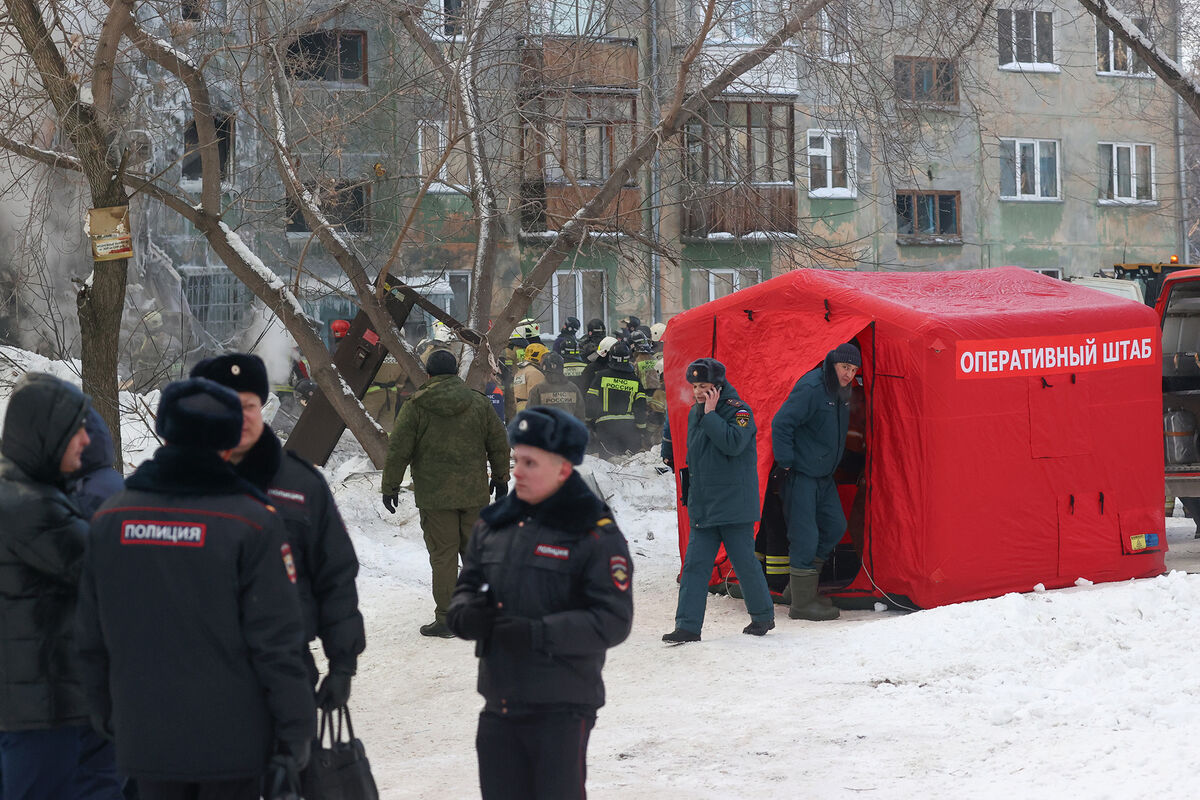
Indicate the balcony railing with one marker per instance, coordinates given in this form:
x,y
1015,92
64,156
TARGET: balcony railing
x,y
547,206
568,62
739,210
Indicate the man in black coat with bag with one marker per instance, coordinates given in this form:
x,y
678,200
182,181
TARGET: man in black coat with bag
x,y
544,591
326,565
189,627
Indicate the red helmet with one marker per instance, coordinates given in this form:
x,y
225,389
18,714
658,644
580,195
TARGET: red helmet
x,y
340,328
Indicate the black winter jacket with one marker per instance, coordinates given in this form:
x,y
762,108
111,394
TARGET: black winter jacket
x,y
563,564
189,624
42,542
326,565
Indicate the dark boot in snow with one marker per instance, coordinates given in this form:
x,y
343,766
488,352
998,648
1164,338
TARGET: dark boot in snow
x,y
733,589
437,628
804,598
759,628
680,636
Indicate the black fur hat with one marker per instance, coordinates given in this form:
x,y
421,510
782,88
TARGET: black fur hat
x,y
441,362
198,412
706,370
242,372
549,429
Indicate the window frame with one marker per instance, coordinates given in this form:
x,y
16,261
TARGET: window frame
x,y
939,64
1015,64
590,18
442,181
234,304
710,275
187,158
826,38
850,191
1132,200
709,124
935,238
292,211
1037,173
337,35
561,143
1114,46
556,290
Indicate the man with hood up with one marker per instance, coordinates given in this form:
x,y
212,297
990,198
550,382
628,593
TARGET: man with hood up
x,y
48,747
448,433
325,561
97,480
808,435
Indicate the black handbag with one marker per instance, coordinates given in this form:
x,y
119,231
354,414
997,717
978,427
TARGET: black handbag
x,y
338,770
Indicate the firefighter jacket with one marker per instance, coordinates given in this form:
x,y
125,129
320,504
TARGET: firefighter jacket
x,y
615,394
448,433
563,564
649,370
558,392
808,433
526,377
722,461
42,542
326,564
189,623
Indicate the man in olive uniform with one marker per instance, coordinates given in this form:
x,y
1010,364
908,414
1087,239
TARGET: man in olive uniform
x,y
808,435
448,433
722,501
546,589
648,365
323,555
556,391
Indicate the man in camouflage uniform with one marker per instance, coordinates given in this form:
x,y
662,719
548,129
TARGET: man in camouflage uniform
x,y
448,433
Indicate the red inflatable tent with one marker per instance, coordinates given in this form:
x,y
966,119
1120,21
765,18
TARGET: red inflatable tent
x,y
1013,432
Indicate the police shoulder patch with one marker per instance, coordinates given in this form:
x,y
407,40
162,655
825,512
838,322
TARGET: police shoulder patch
x,y
618,567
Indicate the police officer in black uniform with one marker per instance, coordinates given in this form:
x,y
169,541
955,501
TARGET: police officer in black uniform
x,y
544,592
189,627
326,565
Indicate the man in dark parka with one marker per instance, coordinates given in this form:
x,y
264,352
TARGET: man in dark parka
x,y
722,501
808,435
189,625
324,557
48,747
449,434
546,589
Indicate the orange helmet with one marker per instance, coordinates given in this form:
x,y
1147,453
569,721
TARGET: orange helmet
x,y
340,328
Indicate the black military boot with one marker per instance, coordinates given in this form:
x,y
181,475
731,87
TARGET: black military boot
x,y
680,636
759,628
437,628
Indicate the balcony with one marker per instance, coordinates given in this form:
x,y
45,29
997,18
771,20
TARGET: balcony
x,y
546,206
566,62
739,210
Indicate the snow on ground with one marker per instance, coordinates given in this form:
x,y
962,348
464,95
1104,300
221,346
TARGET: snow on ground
x,y
1082,692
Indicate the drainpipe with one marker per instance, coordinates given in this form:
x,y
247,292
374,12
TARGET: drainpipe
x,y
655,177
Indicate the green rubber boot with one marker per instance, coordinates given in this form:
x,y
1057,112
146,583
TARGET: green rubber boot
x,y
804,598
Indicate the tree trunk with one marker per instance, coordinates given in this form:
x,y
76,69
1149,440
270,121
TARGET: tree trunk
x,y
100,307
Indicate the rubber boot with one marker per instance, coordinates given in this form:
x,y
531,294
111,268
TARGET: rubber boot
x,y
818,565
804,598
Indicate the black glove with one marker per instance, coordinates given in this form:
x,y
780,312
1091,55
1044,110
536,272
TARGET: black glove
x,y
390,501
669,461
780,473
472,620
334,690
515,633
282,778
499,488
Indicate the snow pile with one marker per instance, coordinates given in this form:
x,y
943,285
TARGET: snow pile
x,y
1085,692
